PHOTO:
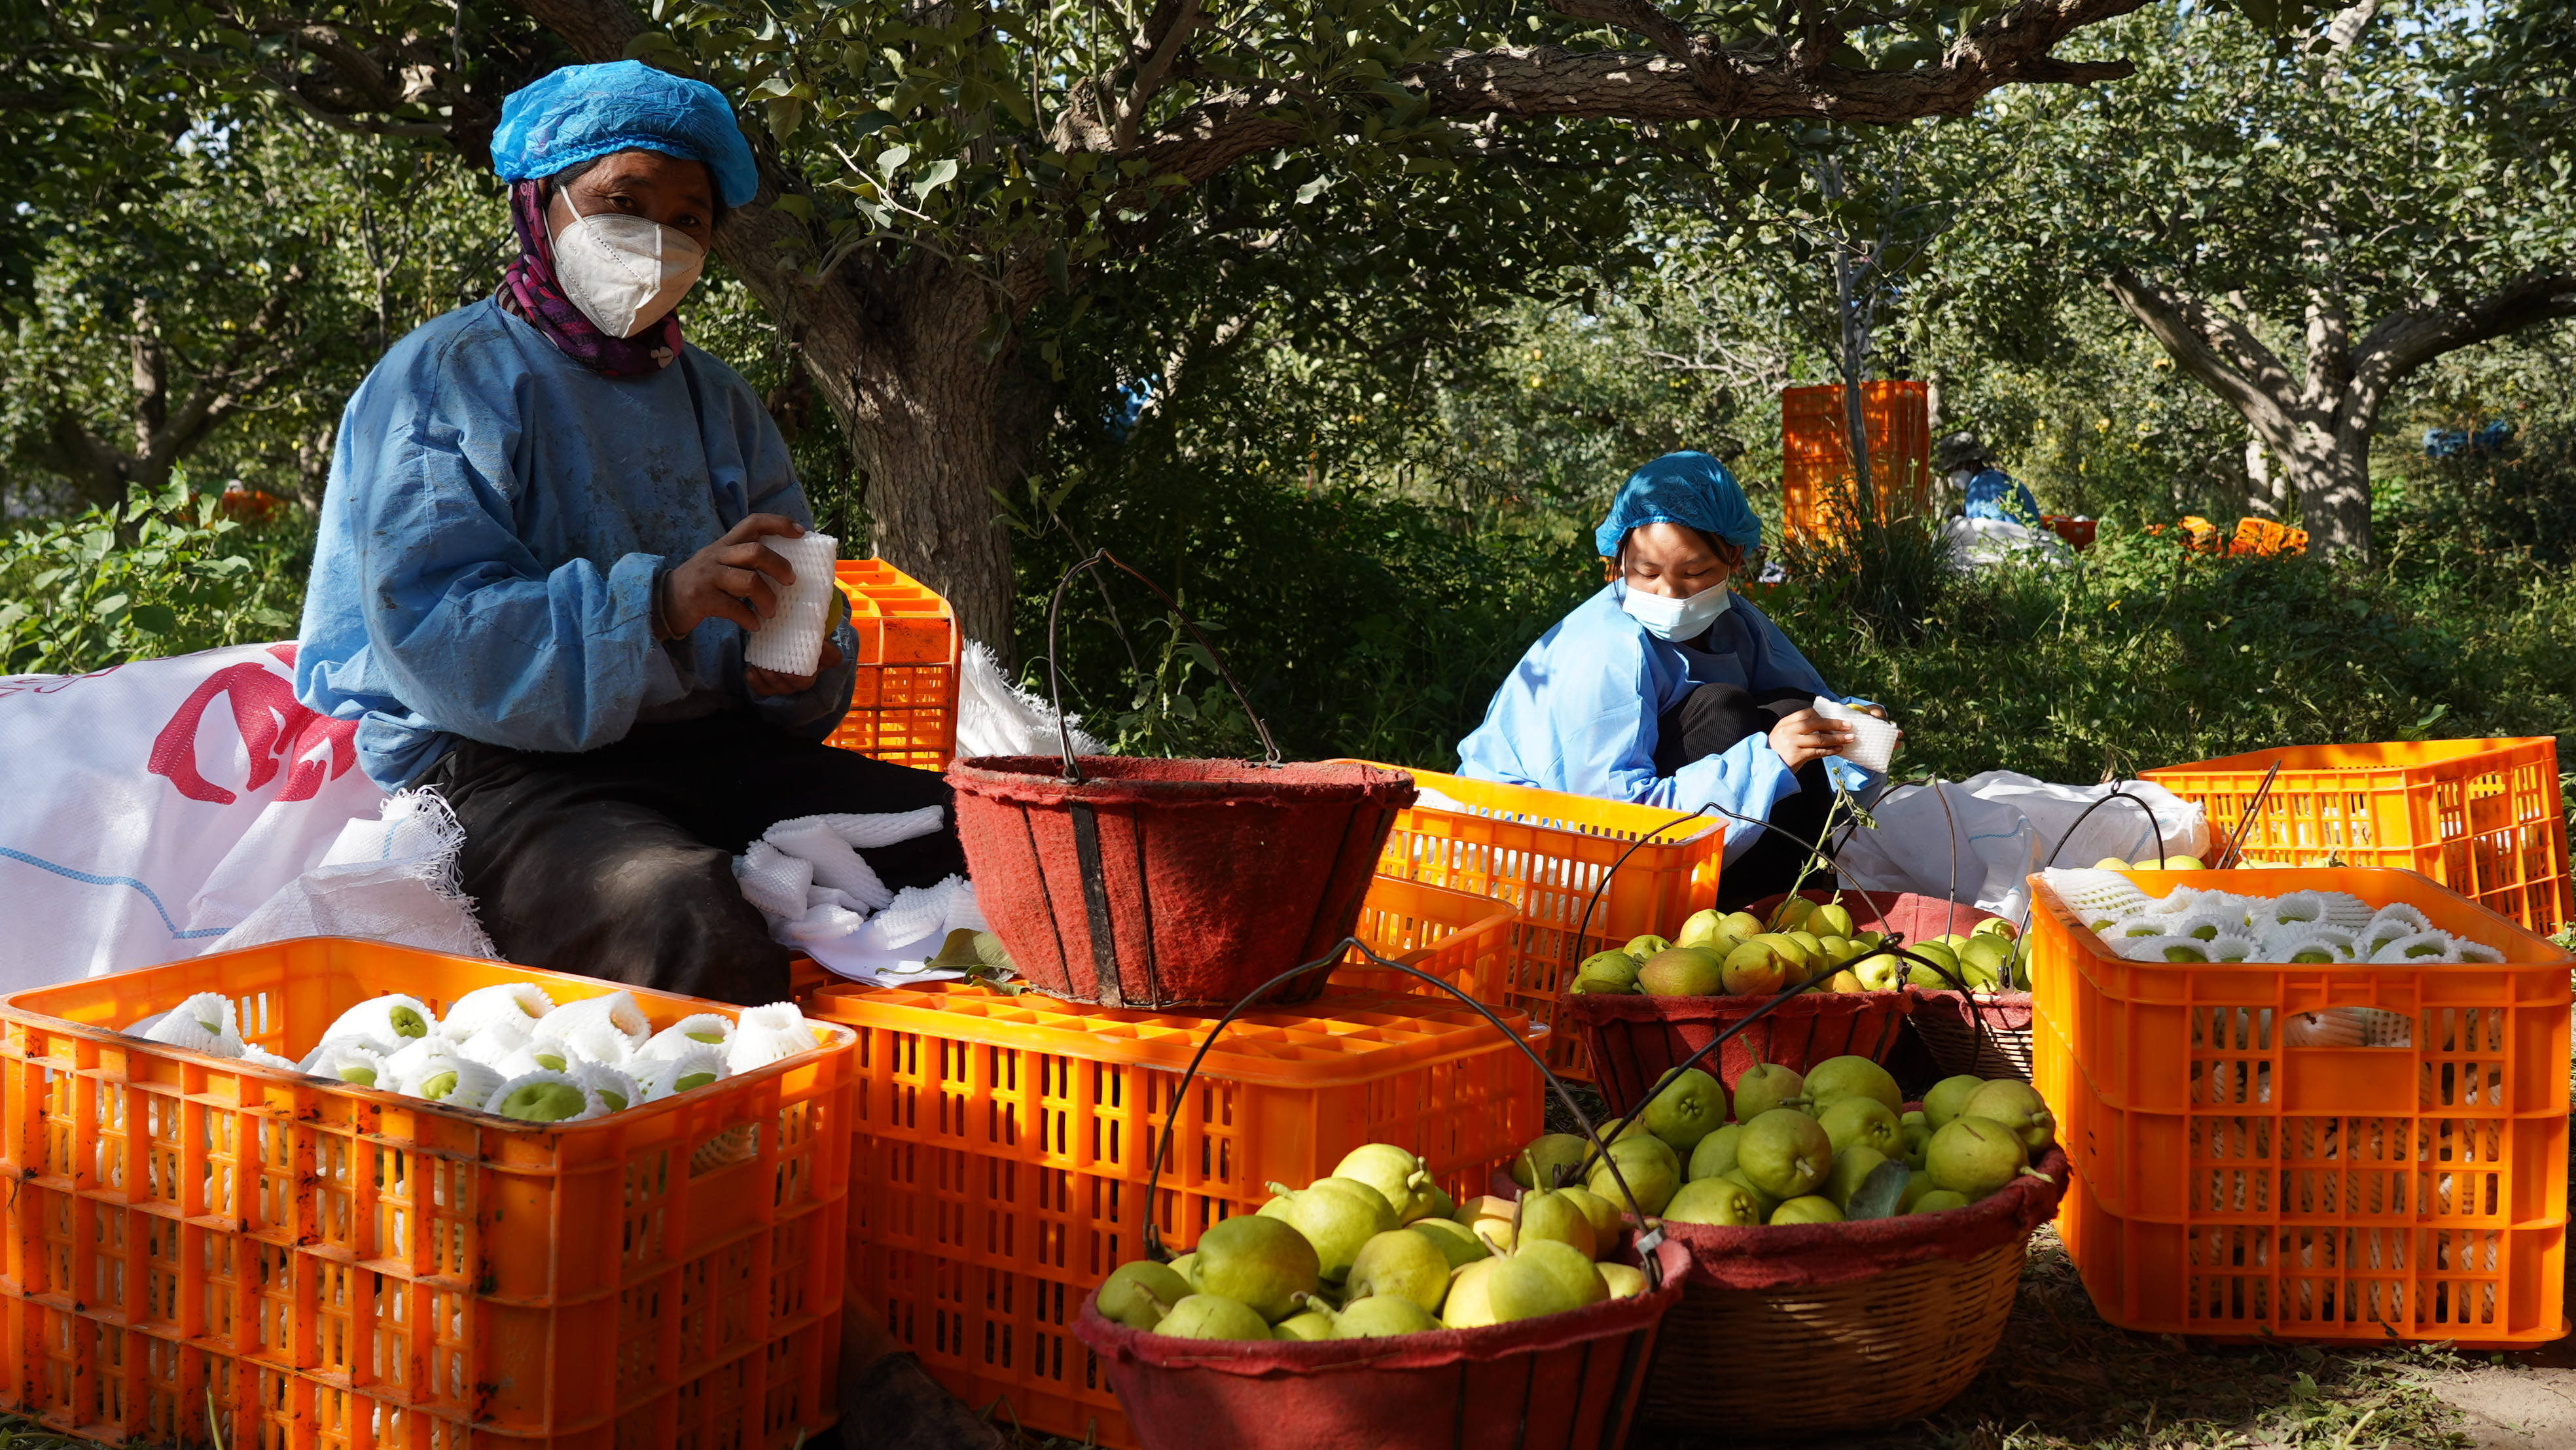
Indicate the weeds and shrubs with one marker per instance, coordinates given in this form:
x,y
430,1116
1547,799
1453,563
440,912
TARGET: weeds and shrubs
x,y
164,573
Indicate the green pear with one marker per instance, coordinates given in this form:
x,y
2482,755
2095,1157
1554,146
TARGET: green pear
x,y
1922,976
1139,1293
1606,1219
1616,971
1862,1120
1258,1261
1703,927
1753,968
1406,1265
1763,1199
1382,1316
1948,1097
1807,1209
1716,1152
1642,947
1308,1325
1791,911
1784,1153
1830,919
1837,1078
1917,1184
1457,1243
1649,1167
1689,1108
1573,1271
1213,1316
1681,972
1721,1201
1852,1166
1975,1156
1767,1086
1470,1304
1536,1164
1397,1175
1939,1200
1337,1216
1623,1282
1548,1216
1523,1288
2018,1106
1187,1266
1741,925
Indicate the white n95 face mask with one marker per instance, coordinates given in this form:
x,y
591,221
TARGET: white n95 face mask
x,y
624,272
1677,620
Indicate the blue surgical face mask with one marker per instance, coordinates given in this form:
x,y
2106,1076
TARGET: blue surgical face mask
x,y
1676,620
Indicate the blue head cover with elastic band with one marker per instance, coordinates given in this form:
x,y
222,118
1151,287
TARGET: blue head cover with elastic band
x,y
572,115
1691,489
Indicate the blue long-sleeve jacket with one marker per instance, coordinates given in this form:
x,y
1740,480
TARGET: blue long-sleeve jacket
x,y
496,518
1992,493
1578,714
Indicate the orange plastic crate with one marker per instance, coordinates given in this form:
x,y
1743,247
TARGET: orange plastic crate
x,y
1546,852
1004,1145
2482,817
2229,1184
338,1266
903,707
1816,474
1464,940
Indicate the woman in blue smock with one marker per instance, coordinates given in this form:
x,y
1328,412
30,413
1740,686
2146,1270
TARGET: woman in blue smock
x,y
541,556
1668,689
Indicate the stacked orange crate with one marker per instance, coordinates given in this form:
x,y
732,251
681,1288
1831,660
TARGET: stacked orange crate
x,y
1005,1146
2482,817
2237,1178
1816,474
904,706
308,1266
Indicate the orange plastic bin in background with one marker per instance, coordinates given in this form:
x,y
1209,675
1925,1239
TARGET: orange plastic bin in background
x,y
1457,936
2230,1184
903,707
1004,1146
1546,853
309,1265
2482,817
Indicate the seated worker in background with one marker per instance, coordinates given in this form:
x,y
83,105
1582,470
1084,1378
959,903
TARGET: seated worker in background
x,y
1667,689
540,558
1986,492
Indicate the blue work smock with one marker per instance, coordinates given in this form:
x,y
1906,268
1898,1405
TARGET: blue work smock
x,y
497,516
1994,494
1579,714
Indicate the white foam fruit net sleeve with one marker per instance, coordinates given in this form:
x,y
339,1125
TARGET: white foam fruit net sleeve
x,y
791,641
2094,895
1873,740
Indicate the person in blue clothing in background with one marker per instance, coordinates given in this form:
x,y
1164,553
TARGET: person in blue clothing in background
x,y
1669,689
541,555
1985,491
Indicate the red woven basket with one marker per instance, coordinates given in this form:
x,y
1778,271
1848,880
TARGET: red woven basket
x,y
1891,1317
1563,1382
1171,883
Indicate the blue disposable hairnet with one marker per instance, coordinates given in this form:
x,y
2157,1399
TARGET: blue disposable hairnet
x,y
569,116
1692,489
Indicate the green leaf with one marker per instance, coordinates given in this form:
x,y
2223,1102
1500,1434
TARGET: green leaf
x,y
154,619
934,176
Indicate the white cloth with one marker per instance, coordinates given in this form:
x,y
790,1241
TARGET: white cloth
x,y
1986,543
148,808
2001,826
993,718
392,879
895,947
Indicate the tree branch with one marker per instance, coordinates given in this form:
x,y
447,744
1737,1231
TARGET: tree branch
x,y
2220,352
1179,20
2403,341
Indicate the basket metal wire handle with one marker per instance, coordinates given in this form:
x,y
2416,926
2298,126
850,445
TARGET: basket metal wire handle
x,y
1055,683
1650,1232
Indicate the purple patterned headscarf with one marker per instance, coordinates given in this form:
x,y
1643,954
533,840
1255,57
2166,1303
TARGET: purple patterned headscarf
x,y
529,288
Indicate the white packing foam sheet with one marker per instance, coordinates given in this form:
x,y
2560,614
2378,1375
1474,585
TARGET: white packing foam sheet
x,y
791,641
1873,740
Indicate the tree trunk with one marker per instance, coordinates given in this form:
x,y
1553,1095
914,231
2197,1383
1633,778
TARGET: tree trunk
x,y
2329,473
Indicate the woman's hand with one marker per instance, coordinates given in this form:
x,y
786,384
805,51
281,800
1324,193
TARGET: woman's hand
x,y
730,578
1807,736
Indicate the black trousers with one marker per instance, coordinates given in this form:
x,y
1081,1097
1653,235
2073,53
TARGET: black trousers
x,y
618,862
1709,721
